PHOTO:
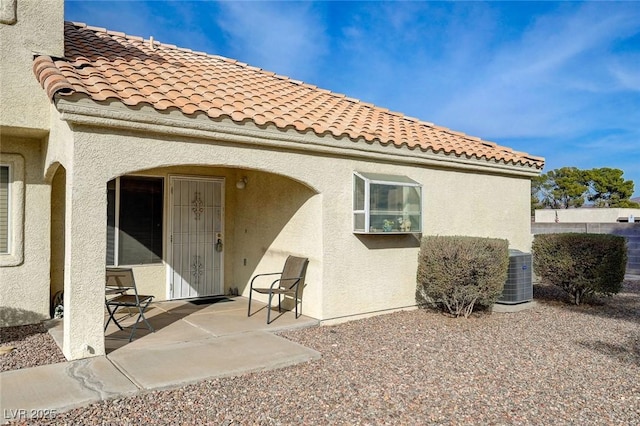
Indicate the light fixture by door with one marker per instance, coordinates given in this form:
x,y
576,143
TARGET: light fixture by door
x,y
242,183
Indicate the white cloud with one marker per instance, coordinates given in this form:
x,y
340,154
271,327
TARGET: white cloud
x,y
540,84
287,38
626,71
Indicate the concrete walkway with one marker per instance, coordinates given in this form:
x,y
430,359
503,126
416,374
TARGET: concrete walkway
x,y
192,342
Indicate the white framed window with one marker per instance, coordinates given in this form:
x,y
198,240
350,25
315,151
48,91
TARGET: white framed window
x,y
11,209
135,208
4,208
386,204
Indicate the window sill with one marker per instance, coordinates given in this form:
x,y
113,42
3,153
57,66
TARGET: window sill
x,y
11,259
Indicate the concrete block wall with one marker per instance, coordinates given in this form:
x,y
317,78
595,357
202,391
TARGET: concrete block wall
x,y
631,231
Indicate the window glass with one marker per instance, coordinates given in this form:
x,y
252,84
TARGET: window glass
x,y
386,203
111,222
11,210
135,213
358,221
358,197
4,209
140,236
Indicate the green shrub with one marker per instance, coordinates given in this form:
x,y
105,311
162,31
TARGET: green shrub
x,y
457,273
581,264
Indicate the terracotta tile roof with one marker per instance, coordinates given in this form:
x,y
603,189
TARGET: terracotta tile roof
x,y
110,65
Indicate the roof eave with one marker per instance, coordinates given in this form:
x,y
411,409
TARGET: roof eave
x,y
79,109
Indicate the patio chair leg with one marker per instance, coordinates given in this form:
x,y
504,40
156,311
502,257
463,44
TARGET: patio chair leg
x,y
249,308
112,317
141,309
269,308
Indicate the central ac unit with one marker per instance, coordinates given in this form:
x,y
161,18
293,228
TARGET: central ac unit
x,y
519,286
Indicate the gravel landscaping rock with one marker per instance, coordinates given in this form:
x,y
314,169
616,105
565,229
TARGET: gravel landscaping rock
x,y
553,364
32,346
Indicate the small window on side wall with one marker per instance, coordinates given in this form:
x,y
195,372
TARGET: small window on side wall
x,y
12,190
134,220
4,209
386,204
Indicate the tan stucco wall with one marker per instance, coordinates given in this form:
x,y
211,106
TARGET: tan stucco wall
x,y
24,287
38,30
585,215
370,273
276,215
36,27
272,217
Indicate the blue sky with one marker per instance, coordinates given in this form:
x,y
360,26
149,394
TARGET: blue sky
x,y
555,79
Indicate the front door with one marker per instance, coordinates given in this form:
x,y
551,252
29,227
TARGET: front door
x,y
196,238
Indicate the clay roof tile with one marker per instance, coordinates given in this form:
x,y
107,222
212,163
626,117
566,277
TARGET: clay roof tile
x,y
108,64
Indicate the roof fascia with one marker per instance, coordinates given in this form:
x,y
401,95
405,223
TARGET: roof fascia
x,y
78,109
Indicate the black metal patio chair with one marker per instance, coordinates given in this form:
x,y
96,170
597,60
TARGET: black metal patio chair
x,y
121,283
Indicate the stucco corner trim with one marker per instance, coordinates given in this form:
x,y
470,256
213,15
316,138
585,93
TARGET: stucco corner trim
x,y
15,256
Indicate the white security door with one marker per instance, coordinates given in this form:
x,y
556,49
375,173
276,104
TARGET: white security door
x,y
196,239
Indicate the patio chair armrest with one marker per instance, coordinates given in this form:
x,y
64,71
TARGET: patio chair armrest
x,y
110,291
286,279
262,275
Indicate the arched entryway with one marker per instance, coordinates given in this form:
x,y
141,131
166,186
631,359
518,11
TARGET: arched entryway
x,y
193,231
57,238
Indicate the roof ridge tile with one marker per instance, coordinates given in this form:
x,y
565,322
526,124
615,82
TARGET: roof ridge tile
x,y
116,33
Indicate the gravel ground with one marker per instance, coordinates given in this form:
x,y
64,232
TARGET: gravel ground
x,y
32,346
553,364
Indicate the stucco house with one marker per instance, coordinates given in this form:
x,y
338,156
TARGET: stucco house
x,y
200,171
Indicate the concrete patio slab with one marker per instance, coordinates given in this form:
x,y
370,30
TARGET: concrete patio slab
x,y
236,321
174,332
176,364
223,305
191,342
43,391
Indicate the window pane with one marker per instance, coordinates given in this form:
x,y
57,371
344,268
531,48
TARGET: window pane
x,y
111,221
386,198
358,221
140,237
358,196
411,197
4,209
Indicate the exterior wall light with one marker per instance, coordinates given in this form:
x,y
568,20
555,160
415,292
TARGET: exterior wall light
x,y
241,183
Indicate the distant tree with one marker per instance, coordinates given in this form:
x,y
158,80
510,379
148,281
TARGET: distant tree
x,y
537,190
560,188
570,187
607,188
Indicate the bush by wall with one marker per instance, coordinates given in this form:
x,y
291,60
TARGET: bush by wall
x,y
456,273
581,264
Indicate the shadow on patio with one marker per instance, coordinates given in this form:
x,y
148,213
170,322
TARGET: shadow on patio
x,y
192,320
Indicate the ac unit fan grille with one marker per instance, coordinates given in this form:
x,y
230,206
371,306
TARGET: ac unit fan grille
x,y
519,286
